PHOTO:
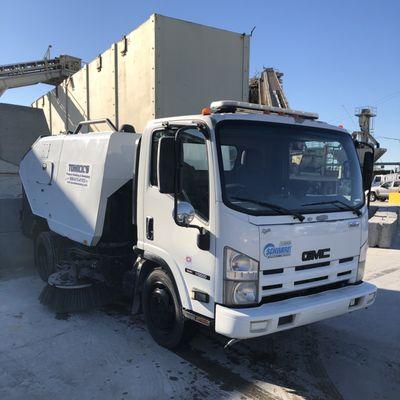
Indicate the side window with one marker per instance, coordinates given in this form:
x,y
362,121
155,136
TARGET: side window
x,y
154,154
194,172
154,151
396,184
386,185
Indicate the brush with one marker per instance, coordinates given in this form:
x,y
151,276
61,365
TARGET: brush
x,y
77,299
67,292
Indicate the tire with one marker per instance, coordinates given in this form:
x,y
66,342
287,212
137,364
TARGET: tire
x,y
46,254
162,311
372,196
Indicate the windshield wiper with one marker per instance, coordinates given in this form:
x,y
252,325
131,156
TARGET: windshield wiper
x,y
336,203
275,207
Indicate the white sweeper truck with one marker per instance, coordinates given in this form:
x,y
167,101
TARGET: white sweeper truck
x,y
247,219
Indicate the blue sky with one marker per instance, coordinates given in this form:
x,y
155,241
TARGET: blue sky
x,y
333,53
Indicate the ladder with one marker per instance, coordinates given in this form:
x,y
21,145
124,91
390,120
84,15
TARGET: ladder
x,y
50,71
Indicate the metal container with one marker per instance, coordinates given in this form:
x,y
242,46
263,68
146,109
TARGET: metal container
x,y
165,67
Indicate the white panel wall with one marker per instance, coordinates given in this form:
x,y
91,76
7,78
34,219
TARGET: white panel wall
x,y
56,109
102,86
77,107
165,67
136,86
197,64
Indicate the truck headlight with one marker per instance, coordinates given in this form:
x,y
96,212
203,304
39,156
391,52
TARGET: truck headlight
x,y
361,262
241,278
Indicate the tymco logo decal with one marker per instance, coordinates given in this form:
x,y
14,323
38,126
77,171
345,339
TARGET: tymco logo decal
x,y
283,250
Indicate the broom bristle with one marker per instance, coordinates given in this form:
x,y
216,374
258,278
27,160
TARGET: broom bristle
x,y
74,300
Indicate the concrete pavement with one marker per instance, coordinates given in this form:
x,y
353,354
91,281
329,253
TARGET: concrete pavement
x,y
109,355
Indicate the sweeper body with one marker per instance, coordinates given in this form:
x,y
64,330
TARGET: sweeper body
x,y
246,219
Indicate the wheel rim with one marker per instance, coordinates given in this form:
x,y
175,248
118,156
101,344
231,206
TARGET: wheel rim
x,y
162,308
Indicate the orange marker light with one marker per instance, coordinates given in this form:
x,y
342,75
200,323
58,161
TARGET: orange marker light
x,y
341,126
206,111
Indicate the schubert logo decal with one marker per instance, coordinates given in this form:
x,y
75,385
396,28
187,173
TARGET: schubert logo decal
x,y
283,250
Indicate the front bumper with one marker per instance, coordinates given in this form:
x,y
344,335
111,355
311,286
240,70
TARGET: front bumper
x,y
244,323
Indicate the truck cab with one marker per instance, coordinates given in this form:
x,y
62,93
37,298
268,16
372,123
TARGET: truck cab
x,y
258,216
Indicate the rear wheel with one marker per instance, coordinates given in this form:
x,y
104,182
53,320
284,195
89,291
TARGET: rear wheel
x,y
46,254
162,310
372,196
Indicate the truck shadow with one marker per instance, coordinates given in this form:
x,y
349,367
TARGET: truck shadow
x,y
307,361
272,367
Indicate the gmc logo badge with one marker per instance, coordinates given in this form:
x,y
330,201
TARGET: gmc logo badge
x,y
315,254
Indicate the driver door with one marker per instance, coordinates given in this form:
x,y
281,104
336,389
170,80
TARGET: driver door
x,y
176,245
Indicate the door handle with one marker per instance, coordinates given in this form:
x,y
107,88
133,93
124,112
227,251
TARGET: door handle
x,y
149,228
51,174
44,168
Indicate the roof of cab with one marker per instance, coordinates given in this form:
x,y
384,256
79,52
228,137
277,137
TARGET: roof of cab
x,y
212,119
233,110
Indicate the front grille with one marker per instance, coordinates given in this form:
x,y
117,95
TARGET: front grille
x,y
319,278
273,271
310,266
345,260
305,292
277,286
291,279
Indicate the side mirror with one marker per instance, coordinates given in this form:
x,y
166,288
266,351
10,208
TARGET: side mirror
x,y
166,169
184,212
366,155
368,170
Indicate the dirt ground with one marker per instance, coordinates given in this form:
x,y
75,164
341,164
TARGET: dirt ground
x,y
108,354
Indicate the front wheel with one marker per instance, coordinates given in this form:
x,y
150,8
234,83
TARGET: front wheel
x,y
162,310
372,196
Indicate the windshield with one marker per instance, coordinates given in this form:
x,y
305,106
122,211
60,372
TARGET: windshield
x,y
287,166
